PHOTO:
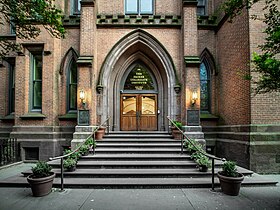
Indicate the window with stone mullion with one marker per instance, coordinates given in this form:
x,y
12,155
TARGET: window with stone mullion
x,y
139,7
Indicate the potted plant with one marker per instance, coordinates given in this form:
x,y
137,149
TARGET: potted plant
x,y
203,163
192,147
230,179
91,144
75,155
69,164
84,150
41,179
175,132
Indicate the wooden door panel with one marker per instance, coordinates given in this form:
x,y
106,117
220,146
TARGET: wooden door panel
x,y
148,111
138,112
129,112
148,123
129,123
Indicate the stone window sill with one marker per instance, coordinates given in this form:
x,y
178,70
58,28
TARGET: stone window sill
x,y
33,116
68,116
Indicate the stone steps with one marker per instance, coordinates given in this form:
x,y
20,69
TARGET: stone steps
x,y
119,183
126,160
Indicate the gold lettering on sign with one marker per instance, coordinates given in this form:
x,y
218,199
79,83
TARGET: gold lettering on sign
x,y
138,79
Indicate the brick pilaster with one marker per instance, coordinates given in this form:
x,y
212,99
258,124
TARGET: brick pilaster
x,y
85,61
190,50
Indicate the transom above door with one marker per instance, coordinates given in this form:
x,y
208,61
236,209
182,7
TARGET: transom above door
x,y
138,112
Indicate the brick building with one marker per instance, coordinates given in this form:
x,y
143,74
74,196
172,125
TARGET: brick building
x,y
142,59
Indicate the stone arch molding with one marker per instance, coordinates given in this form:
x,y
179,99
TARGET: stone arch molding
x,y
137,45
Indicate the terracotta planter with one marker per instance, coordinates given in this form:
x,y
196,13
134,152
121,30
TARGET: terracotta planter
x,y
103,130
176,134
100,133
41,186
230,185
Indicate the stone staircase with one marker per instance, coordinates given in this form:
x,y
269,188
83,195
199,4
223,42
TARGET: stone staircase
x,y
138,160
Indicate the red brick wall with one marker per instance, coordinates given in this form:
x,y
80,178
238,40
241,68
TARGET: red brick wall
x,y
265,107
207,39
233,59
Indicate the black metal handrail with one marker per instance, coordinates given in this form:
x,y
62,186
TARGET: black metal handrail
x,y
106,122
212,157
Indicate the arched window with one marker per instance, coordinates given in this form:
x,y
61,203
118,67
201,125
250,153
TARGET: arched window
x,y
204,87
139,78
72,86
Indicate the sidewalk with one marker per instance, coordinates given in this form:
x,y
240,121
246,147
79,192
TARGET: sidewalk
x,y
123,199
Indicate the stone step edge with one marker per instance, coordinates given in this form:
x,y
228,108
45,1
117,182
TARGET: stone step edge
x,y
136,182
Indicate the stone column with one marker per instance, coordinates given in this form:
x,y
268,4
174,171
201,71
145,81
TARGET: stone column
x,y
192,78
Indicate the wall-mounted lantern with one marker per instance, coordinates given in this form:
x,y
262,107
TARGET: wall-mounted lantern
x,y
83,97
194,97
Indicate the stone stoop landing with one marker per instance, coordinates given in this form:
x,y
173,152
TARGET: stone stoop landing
x,y
137,160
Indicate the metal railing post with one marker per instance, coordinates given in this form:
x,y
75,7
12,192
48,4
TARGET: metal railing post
x,y
182,144
108,127
62,171
213,165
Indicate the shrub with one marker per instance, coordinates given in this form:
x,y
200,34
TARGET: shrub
x,y
75,155
69,163
203,161
84,149
229,169
91,142
42,169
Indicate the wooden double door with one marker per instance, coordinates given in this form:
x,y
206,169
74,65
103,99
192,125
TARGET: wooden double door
x,y
139,112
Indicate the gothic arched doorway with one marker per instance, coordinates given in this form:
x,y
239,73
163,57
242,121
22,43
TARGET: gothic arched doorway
x,y
139,99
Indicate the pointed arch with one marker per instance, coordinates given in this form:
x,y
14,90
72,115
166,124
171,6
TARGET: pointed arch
x,y
69,55
207,58
138,46
69,72
207,72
